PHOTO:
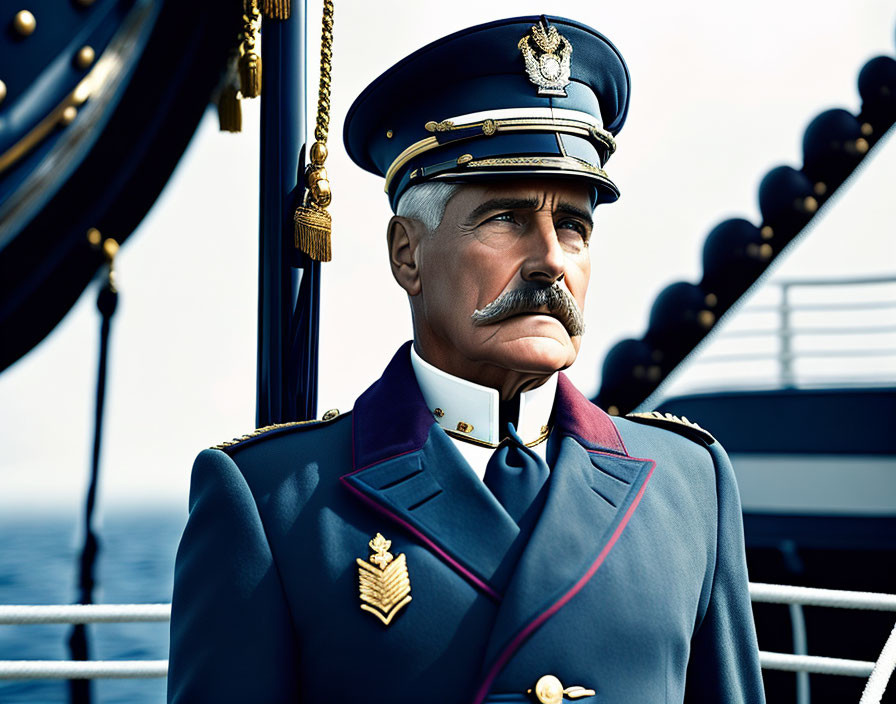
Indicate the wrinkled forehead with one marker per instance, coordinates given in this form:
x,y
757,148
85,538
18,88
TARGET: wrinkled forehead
x,y
535,194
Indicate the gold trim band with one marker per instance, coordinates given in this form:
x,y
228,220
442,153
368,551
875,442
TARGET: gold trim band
x,y
490,127
556,162
57,116
483,443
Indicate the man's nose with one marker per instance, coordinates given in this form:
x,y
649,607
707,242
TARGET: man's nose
x,y
545,259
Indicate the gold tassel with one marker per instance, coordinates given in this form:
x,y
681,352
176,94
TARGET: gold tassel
x,y
249,63
275,9
230,114
250,74
313,229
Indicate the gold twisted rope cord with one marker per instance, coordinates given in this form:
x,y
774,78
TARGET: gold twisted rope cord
x,y
313,223
326,62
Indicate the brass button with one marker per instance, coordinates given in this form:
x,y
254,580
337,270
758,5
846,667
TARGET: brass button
x,y
331,414
549,690
464,427
85,57
24,23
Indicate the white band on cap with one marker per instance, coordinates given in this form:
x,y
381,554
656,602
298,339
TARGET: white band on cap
x,y
516,113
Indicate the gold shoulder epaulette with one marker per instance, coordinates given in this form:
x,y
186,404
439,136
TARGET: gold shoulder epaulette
x,y
682,425
332,414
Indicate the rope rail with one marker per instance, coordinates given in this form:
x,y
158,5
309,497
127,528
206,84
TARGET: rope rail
x,y
81,669
84,613
815,664
810,596
878,673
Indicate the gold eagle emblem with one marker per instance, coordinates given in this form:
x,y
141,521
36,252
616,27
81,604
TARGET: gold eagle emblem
x,y
385,586
550,69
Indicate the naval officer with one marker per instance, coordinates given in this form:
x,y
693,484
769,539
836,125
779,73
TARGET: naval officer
x,y
474,530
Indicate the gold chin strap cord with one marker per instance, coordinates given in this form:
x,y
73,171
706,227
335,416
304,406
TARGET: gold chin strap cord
x,y
313,222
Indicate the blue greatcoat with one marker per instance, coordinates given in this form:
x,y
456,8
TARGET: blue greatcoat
x,y
632,581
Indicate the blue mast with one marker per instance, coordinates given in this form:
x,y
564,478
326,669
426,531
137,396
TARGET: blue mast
x,y
288,280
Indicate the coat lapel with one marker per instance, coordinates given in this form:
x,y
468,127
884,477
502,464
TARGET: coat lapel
x,y
408,469
594,489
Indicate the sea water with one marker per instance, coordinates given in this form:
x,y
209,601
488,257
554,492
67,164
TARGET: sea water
x,y
38,565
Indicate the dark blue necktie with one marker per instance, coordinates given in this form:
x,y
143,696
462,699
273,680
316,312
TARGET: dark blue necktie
x,y
515,475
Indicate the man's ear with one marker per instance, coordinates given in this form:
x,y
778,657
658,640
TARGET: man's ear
x,y
404,235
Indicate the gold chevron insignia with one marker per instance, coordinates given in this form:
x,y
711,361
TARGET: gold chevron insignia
x,y
385,587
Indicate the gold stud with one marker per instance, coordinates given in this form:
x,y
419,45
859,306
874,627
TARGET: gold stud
x,y
464,427
464,159
654,373
2,91
94,237
711,300
110,248
85,56
68,115
765,252
820,188
861,145
24,23
706,318
438,413
389,134
767,232
544,430
810,205
613,410
331,414
867,129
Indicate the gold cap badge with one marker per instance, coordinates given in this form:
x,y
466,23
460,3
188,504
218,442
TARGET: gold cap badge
x,y
386,587
550,69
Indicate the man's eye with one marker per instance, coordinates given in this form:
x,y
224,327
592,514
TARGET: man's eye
x,y
574,225
502,217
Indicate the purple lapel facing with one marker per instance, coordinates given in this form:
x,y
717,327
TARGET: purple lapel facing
x,y
407,469
394,418
595,488
575,416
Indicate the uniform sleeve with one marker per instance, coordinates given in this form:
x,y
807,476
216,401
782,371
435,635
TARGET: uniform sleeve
x,y
231,633
724,663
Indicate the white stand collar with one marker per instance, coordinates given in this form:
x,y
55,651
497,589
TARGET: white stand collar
x,y
457,404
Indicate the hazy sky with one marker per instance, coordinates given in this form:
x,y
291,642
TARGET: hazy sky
x,y
721,92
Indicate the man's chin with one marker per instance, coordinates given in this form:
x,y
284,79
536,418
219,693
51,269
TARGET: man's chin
x,y
536,354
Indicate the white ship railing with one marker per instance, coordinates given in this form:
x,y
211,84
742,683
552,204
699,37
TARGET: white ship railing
x,y
878,673
802,333
88,669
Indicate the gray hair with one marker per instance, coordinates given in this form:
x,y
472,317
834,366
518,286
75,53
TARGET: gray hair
x,y
426,203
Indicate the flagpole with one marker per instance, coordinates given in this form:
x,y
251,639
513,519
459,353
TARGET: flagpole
x,y
288,281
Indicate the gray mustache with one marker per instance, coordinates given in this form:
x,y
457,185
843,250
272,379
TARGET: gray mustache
x,y
555,299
